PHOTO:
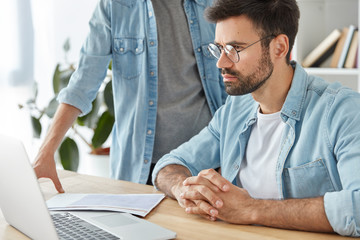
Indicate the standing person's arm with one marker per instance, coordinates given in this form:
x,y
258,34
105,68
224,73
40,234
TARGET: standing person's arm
x,y
83,86
44,165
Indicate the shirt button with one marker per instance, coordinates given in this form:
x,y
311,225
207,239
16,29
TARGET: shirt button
x,y
236,167
146,161
151,103
150,13
191,21
136,49
152,73
149,132
199,49
121,49
152,43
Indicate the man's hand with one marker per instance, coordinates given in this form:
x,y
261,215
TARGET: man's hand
x,y
215,197
240,208
201,193
170,180
45,167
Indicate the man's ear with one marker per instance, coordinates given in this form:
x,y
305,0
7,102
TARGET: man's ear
x,y
281,46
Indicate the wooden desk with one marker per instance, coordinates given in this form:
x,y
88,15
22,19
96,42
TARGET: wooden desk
x,y
167,214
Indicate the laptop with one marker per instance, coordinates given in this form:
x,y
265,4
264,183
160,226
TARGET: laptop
x,y
24,207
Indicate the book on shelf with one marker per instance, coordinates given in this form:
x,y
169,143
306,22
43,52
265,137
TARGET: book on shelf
x,y
338,49
346,46
322,51
350,61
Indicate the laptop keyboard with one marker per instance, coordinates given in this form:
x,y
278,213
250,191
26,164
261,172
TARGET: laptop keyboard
x,y
71,227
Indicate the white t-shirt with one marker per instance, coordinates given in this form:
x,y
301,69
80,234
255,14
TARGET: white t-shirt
x,y
257,170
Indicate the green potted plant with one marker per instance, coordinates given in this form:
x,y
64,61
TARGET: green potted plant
x,y
100,120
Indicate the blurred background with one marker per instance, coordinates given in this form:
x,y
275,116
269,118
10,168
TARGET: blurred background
x,y
33,33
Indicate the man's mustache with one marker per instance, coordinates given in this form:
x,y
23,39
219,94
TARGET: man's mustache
x,y
228,71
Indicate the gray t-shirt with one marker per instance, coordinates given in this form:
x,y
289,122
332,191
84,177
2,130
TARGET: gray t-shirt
x,y
182,106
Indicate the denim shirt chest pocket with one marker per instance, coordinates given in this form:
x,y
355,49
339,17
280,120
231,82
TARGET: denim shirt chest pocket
x,y
308,180
128,56
211,71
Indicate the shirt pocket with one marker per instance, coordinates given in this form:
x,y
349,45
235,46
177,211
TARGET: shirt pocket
x,y
308,180
128,56
127,3
211,70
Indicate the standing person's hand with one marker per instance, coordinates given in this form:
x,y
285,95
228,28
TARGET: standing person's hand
x,y
45,167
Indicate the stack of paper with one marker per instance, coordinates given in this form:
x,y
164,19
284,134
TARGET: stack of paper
x,y
138,204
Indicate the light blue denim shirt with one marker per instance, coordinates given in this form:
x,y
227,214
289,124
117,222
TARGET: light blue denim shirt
x,y
125,31
319,153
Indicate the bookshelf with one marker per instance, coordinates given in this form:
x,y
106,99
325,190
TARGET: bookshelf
x,y
318,18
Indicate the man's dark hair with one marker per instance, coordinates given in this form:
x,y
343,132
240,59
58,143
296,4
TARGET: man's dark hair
x,y
270,17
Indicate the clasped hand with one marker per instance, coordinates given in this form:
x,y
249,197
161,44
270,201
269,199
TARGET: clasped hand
x,y
213,197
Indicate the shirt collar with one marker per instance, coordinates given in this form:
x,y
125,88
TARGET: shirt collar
x,y
295,99
199,2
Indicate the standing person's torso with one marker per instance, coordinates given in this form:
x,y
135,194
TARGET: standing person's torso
x,y
125,32
182,108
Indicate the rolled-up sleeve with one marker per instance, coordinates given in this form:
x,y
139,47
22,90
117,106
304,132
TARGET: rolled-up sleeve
x,y
201,152
342,210
95,56
343,207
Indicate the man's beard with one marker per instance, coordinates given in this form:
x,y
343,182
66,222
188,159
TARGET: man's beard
x,y
252,82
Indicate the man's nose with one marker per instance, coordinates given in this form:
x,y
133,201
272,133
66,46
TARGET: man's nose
x,y
224,61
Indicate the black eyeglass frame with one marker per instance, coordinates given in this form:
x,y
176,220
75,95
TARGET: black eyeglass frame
x,y
227,51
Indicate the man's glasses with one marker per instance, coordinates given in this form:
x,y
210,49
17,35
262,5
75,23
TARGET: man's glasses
x,y
230,51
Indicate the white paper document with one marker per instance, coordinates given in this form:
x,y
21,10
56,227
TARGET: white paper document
x,y
138,204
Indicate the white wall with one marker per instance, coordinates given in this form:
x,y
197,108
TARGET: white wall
x,y
54,23
16,65
35,32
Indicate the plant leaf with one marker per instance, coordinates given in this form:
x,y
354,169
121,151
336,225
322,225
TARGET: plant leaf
x,y
34,90
61,78
36,125
90,119
56,79
103,129
108,98
69,154
51,108
66,45
110,65
65,77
